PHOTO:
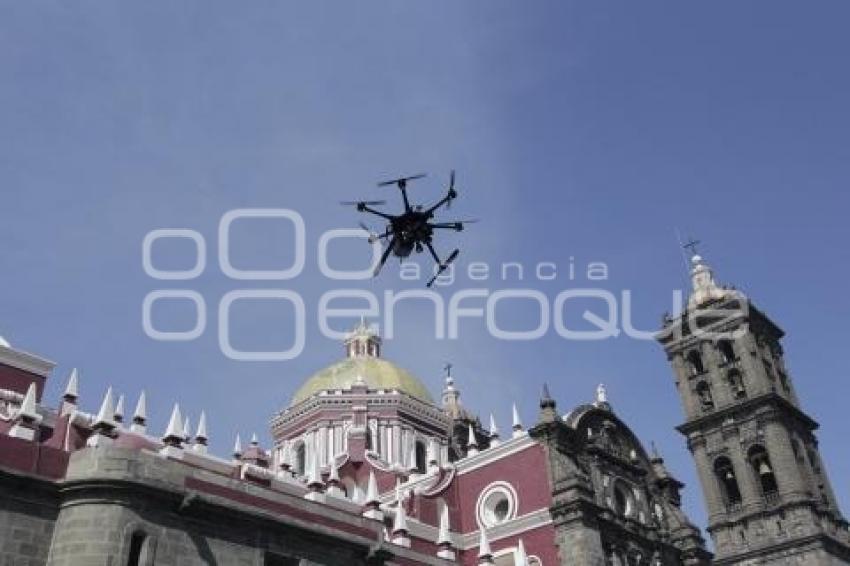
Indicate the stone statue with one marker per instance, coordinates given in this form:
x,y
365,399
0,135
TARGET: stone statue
x,y
601,394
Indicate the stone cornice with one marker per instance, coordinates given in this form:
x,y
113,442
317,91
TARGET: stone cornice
x,y
26,361
748,408
792,546
490,455
346,400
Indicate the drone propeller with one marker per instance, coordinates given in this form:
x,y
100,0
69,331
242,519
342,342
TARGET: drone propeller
x,y
456,225
451,258
401,180
452,191
443,266
362,202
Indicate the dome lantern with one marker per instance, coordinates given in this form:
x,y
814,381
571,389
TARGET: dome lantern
x,y
363,342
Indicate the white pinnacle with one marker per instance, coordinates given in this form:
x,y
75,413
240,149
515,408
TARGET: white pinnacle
x,y
372,497
187,429
444,536
471,442
119,408
520,558
400,520
254,441
28,408
484,545
202,427
494,430
73,387
175,426
237,446
494,433
141,412
107,409
517,423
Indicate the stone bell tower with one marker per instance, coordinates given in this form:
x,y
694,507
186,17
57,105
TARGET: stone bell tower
x,y
766,489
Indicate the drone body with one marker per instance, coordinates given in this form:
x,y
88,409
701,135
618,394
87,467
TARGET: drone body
x,y
413,229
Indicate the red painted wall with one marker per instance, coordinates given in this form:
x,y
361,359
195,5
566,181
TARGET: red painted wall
x,y
19,380
524,470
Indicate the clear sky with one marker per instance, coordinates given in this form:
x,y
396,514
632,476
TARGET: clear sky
x,y
589,130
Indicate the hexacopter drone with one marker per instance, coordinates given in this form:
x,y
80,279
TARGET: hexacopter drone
x,y
413,229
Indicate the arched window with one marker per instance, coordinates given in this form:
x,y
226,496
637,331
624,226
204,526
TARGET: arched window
x,y
301,459
695,363
760,462
141,551
624,499
727,351
823,496
813,460
421,457
705,398
798,452
728,482
736,384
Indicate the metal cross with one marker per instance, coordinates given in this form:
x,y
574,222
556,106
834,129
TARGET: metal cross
x,y
691,246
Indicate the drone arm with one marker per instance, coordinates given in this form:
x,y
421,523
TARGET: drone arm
x,y
404,197
439,203
434,253
376,212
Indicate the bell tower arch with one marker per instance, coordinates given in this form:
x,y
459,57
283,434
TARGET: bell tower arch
x,y
766,490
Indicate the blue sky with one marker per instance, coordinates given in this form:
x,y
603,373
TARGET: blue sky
x,y
579,130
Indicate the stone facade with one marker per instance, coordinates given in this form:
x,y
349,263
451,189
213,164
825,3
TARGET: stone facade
x,y
612,503
365,468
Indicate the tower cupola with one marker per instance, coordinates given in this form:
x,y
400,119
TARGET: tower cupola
x,y
705,288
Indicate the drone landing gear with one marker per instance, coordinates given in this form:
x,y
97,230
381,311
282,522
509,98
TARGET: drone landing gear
x,y
443,266
384,257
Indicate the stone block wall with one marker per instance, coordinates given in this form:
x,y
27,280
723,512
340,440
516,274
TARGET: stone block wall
x,y
27,513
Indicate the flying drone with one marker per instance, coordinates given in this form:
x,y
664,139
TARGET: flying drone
x,y
413,229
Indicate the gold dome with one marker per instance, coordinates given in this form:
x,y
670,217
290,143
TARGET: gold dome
x,y
377,373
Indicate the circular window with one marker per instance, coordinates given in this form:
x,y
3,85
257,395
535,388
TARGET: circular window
x,y
496,504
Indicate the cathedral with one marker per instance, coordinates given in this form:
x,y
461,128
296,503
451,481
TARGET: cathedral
x,y
367,466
